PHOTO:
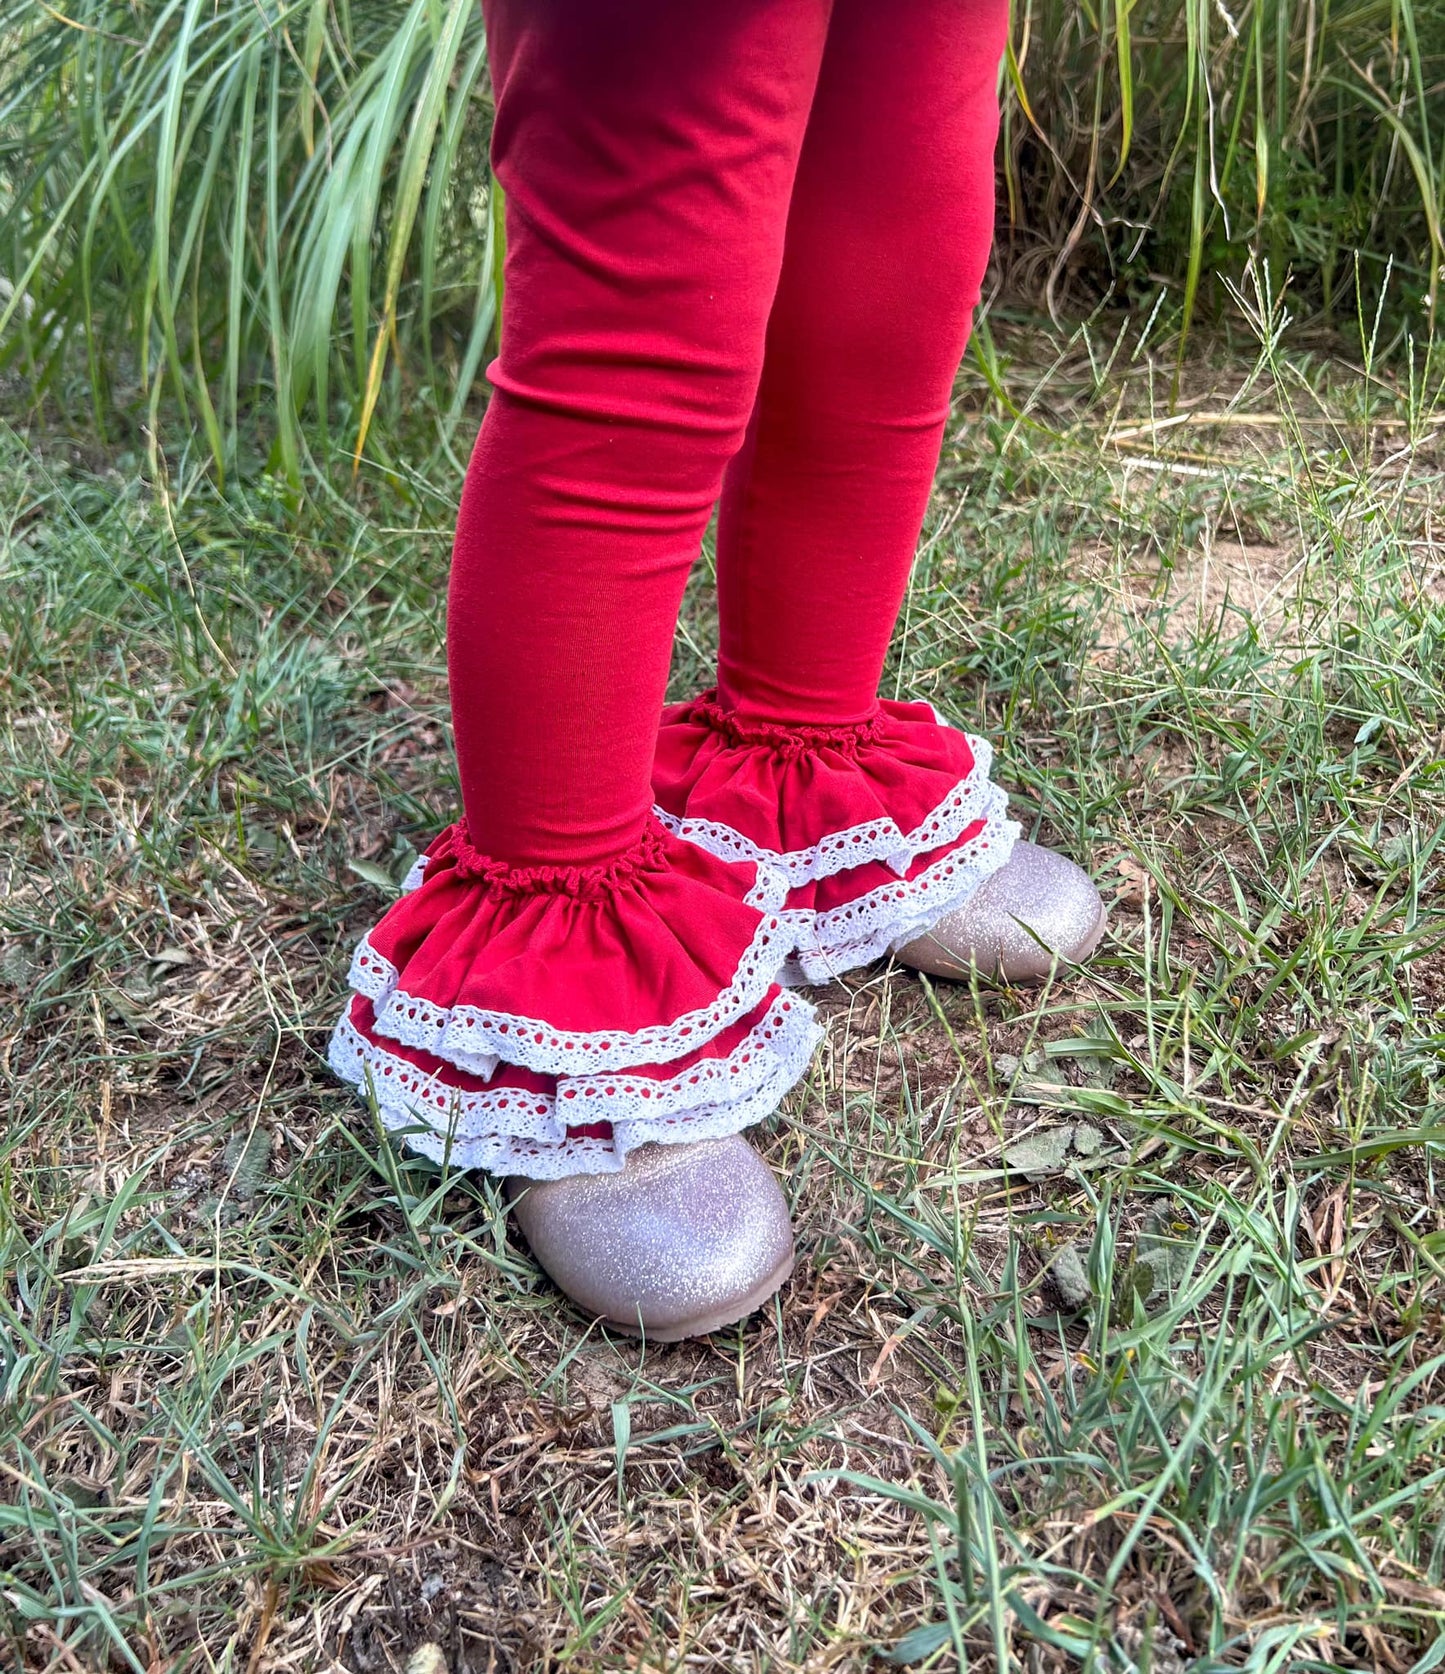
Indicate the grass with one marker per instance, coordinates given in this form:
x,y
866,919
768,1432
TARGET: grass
x,y
1115,1340
206,203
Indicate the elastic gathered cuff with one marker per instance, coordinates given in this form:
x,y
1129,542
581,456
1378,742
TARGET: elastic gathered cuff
x,y
788,740
582,883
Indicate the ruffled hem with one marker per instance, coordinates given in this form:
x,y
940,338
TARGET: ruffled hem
x,y
547,1021
643,973
831,940
880,830
810,802
520,1123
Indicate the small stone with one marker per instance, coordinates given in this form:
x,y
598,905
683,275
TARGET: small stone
x,y
1071,1278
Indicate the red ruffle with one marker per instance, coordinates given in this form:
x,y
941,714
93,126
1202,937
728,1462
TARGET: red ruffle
x,y
566,981
851,918
546,1020
880,829
812,800
515,1119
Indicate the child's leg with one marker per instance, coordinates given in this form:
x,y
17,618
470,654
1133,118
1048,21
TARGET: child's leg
x,y
648,152
569,981
888,237
882,817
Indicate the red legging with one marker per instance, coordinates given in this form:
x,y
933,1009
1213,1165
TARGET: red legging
x,y
744,241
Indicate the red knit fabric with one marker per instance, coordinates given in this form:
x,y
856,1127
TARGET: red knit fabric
x,y
744,241
889,227
695,192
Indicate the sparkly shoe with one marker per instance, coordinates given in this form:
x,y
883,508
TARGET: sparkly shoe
x,y
1039,908
685,1239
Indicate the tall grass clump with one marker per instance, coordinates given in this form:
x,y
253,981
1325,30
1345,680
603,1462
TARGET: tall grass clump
x,y
281,208
1150,139
254,204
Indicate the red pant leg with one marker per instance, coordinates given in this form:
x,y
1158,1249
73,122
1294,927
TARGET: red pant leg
x,y
888,238
568,982
647,150
882,818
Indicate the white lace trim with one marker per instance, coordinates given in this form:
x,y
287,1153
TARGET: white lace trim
x,y
827,944
477,1040
579,1099
510,1131
856,845
770,890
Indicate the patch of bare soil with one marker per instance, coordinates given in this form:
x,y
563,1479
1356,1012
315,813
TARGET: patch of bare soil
x,y
1220,587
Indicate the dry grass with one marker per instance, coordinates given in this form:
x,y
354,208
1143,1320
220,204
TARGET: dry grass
x,y
277,1398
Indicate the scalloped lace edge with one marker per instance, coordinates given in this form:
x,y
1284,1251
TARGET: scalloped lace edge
x,y
521,1114
839,851
477,1040
473,1132
886,919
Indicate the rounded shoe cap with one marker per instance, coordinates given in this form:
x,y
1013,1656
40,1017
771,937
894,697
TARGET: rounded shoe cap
x,y
1036,896
683,1240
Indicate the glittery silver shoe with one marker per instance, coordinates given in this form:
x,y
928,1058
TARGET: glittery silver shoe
x,y
1038,907
684,1240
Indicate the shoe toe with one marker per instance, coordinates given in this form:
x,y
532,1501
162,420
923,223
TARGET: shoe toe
x,y
683,1240
1037,908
